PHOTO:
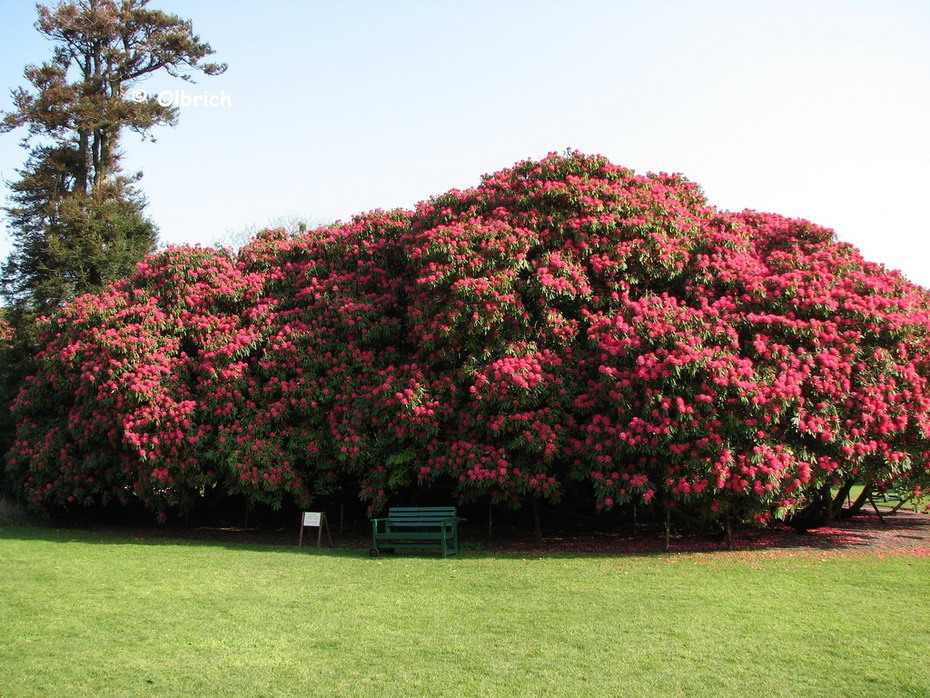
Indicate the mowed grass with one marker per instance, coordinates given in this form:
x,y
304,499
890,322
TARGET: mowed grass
x,y
84,614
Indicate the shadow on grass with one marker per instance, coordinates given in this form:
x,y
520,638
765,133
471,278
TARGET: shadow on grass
x,y
902,532
229,538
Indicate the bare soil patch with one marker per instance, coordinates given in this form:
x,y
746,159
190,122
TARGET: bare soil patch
x,y
904,532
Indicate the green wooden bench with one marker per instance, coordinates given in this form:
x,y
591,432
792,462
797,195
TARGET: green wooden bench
x,y
416,528
892,494
896,494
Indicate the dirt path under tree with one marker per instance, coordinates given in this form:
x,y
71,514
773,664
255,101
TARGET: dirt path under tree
x,y
904,532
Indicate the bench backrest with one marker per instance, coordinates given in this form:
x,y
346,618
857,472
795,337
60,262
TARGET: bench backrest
x,y
419,516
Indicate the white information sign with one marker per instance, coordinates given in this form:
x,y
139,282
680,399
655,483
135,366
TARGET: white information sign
x,y
317,520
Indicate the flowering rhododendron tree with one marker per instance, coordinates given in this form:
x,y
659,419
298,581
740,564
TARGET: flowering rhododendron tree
x,y
117,408
565,324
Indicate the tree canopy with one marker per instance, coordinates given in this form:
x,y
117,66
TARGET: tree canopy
x,y
567,325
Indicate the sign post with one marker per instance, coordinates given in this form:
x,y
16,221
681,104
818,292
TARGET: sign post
x,y
317,520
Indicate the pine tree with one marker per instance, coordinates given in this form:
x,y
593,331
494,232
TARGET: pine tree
x,y
69,242
76,220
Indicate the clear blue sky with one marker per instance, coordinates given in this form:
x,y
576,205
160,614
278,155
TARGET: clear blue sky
x,y
808,108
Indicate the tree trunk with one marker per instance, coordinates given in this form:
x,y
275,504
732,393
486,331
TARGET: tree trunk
x,y
841,497
815,513
95,157
105,164
826,498
80,176
860,502
536,524
668,528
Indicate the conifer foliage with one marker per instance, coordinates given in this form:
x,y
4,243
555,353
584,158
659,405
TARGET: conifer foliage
x,y
77,221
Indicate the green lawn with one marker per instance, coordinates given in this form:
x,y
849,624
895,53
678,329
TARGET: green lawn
x,y
89,615
918,504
